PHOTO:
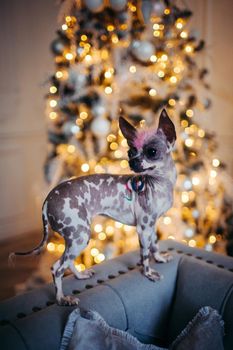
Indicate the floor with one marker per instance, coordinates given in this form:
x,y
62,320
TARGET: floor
x,y
12,276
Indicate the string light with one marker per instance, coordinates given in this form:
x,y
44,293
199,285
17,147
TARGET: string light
x,y
215,162
152,92
85,167
172,102
189,113
132,69
98,228
108,90
53,89
173,79
64,26
53,103
153,58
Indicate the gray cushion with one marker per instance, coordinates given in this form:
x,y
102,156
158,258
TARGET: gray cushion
x,y
88,330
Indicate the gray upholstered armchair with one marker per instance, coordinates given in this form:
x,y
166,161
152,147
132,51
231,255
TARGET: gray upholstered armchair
x,y
152,312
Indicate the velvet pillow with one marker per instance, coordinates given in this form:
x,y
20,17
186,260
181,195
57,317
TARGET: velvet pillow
x,y
88,330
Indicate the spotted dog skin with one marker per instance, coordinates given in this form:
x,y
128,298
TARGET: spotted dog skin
x,y
70,206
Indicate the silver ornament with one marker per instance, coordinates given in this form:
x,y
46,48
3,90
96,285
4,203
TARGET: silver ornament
x,y
94,5
142,50
117,5
100,126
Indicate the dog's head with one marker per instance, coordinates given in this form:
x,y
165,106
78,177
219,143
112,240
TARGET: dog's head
x,y
149,148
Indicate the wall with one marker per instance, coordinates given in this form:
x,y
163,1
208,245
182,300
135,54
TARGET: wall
x,y
214,20
27,29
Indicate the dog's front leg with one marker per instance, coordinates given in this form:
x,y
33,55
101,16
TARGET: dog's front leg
x,y
145,234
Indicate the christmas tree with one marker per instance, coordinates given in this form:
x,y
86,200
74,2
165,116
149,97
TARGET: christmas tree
x,y
132,58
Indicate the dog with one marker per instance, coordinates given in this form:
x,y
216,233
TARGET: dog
x,y
137,199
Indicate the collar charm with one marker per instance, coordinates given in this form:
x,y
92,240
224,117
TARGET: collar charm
x,y
135,184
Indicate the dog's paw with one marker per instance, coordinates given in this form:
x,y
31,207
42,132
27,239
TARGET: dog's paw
x,y
162,257
85,274
68,300
153,275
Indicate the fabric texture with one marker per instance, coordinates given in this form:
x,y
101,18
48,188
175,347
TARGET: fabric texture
x,y
88,330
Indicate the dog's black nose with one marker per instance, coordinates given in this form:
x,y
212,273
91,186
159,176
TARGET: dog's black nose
x,y
135,165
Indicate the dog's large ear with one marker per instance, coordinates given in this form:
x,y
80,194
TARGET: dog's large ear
x,y
168,128
128,130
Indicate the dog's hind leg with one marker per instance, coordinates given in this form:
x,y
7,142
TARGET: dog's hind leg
x,y
58,270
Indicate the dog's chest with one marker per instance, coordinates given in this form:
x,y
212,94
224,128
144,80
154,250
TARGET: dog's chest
x,y
157,197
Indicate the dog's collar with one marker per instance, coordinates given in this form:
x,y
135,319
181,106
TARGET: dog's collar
x,y
136,184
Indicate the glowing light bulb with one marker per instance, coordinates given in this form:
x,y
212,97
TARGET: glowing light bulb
x,y
94,251
167,11
53,89
213,173
99,258
164,57
172,102
69,56
201,133
153,58
152,92
53,103
113,146
85,167
98,228
132,69
108,74
110,230
216,162
80,267
59,74
61,248
52,115
192,243
212,239
83,37
184,34
124,164
102,236
64,27
189,142
83,115
189,113
173,79
195,180
160,74
155,26
184,197
188,48
167,220
88,58
177,70
156,33
71,149
51,247
108,90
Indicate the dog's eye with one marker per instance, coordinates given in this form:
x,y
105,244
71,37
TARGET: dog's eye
x,y
150,152
132,152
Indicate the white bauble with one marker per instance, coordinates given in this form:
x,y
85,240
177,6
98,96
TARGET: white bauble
x,y
118,5
100,126
94,5
142,50
158,8
99,110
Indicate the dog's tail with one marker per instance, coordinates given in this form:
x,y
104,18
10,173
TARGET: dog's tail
x,y
38,249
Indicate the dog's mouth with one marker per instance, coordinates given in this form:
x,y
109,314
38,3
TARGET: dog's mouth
x,y
142,170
